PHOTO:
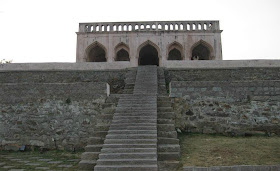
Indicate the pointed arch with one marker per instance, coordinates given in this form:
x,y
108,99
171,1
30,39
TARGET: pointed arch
x,y
96,52
122,52
148,42
202,48
175,51
152,50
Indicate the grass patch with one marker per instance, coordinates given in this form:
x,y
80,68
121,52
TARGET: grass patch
x,y
19,159
217,150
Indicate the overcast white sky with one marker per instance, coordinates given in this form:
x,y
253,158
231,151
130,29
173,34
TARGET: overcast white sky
x,y
44,30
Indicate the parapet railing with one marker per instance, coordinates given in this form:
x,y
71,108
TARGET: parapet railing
x,y
149,26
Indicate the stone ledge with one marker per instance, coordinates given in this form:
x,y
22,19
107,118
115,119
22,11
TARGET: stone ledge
x,y
235,168
220,64
64,66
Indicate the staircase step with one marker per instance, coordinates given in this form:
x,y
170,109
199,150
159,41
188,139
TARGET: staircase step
x,y
87,164
130,141
166,121
165,109
93,148
169,148
133,131
137,104
163,104
151,167
134,117
163,98
106,116
168,156
131,128
128,146
103,127
137,121
166,115
131,136
167,134
128,155
95,140
140,114
169,165
90,155
126,161
168,140
165,127
101,134
128,150
132,124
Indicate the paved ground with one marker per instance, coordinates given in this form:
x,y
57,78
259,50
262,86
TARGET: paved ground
x,y
29,161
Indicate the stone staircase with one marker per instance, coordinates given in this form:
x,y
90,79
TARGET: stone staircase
x,y
140,135
103,122
168,143
131,142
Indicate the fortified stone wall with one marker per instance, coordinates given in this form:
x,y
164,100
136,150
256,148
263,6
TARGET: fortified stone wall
x,y
227,101
54,109
115,78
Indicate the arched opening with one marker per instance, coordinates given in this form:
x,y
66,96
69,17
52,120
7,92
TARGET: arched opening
x,y
175,51
148,55
200,52
122,52
122,55
96,54
174,54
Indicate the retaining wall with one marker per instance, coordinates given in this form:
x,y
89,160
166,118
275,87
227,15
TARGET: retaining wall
x,y
227,101
53,109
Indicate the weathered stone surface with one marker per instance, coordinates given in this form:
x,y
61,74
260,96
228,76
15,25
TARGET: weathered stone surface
x,y
53,109
221,101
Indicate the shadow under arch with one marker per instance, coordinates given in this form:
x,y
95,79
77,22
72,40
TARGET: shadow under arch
x,y
96,52
175,51
148,53
201,50
122,52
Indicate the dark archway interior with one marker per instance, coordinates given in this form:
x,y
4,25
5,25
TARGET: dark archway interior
x,y
174,54
200,52
122,55
148,55
97,54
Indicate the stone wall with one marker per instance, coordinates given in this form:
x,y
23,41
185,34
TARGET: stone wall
x,y
115,78
53,109
227,101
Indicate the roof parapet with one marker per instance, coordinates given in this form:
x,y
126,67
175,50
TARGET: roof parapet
x,y
202,25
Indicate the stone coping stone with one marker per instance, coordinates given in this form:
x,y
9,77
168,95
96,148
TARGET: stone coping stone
x,y
234,168
220,64
79,66
123,65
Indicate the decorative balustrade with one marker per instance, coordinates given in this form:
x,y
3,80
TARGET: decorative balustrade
x,y
149,26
